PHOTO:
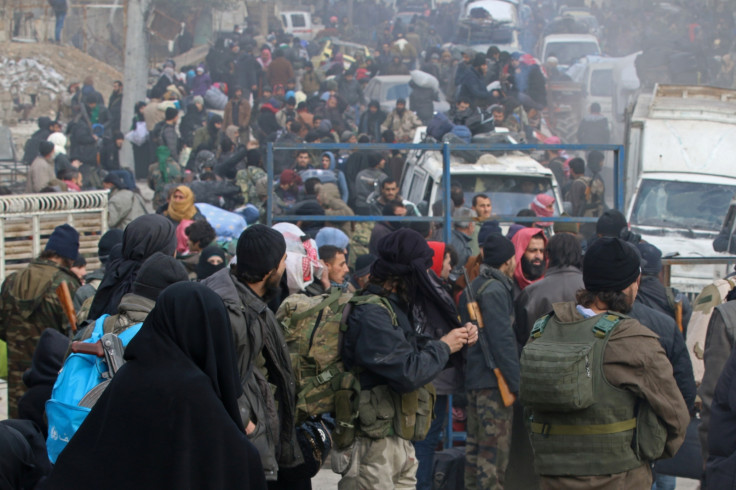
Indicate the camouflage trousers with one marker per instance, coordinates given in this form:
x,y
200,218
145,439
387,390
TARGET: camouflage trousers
x,y
488,441
376,464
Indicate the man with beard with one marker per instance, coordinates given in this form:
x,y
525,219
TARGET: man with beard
x,y
386,347
402,122
625,409
268,402
531,245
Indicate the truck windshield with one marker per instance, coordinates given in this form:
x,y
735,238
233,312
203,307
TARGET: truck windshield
x,y
569,52
688,205
509,193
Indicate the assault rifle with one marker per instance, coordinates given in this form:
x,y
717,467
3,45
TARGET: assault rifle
x,y
477,318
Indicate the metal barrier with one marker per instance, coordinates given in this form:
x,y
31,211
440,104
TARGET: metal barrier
x,y
446,149
668,262
26,221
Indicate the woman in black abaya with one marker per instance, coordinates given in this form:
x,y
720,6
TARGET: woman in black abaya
x,y
143,237
169,418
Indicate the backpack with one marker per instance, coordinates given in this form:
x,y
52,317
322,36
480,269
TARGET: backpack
x,y
81,381
312,333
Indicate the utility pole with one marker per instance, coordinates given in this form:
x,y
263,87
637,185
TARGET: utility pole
x,y
135,71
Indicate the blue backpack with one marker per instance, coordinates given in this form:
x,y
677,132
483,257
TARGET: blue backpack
x,y
81,381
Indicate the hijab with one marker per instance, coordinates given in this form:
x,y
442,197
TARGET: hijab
x,y
181,210
204,268
142,237
169,418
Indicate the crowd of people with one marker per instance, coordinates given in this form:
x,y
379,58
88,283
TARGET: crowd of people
x,y
212,285
215,355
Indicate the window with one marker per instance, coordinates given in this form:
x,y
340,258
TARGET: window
x,y
508,193
298,20
399,91
601,83
568,53
685,205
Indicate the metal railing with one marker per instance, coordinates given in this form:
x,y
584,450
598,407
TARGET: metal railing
x,y
446,149
25,217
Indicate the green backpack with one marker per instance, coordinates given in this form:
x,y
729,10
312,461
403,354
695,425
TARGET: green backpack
x,y
312,332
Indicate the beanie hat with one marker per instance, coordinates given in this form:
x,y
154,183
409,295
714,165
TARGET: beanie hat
x,y
260,250
332,236
610,264
565,226
198,99
289,176
497,249
490,227
479,60
113,179
108,240
45,148
171,113
651,258
158,272
345,136
64,240
610,223
363,264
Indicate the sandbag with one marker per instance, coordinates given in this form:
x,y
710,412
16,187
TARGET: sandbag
x,y
424,80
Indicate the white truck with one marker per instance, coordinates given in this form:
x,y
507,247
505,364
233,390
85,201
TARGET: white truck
x,y
511,179
680,176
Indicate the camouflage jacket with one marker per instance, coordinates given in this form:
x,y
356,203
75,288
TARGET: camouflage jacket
x,y
158,183
253,183
28,305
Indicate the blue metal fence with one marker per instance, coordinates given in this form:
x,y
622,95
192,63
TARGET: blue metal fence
x,y
446,149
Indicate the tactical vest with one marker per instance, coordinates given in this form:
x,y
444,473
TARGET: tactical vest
x,y
580,424
381,411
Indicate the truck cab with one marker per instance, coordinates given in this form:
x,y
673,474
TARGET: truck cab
x,y
681,141
569,48
299,24
510,179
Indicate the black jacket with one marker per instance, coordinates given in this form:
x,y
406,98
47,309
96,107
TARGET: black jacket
x,y
82,144
261,349
396,356
720,470
674,346
653,294
497,307
472,87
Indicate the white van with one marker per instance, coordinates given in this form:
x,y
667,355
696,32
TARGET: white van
x,y
569,48
680,146
510,179
299,23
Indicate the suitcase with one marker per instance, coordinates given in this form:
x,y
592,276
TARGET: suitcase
x,y
449,469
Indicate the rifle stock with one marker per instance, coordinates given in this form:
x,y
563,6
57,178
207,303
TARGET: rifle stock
x,y
65,297
476,317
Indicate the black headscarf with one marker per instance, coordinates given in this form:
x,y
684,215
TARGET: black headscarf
x,y
169,418
141,238
204,268
405,253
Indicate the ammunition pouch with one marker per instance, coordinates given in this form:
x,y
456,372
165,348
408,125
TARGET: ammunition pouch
x,y
347,396
414,413
376,412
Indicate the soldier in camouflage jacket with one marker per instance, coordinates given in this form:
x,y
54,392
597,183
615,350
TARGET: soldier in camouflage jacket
x,y
29,304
